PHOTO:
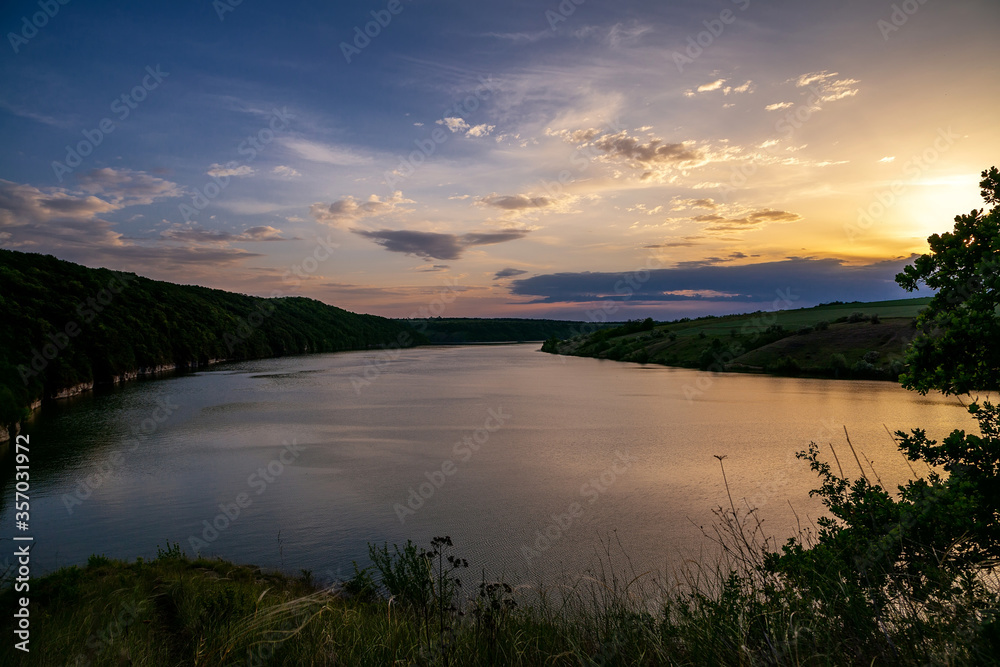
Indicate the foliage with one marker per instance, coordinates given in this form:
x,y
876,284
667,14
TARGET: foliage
x,y
62,324
957,351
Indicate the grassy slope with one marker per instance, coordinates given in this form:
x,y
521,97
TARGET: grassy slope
x,y
782,342
178,611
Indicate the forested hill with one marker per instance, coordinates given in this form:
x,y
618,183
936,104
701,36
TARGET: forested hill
x,y
64,325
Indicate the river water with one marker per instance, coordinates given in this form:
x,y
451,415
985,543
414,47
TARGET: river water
x,y
530,462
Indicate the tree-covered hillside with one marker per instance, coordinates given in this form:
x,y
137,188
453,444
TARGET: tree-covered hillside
x,y
62,324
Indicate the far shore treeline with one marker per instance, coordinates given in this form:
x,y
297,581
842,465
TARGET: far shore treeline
x,y
66,327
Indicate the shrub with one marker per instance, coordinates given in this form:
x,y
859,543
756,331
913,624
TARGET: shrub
x,y
785,366
838,363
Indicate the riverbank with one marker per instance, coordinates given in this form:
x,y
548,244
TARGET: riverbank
x,y
858,341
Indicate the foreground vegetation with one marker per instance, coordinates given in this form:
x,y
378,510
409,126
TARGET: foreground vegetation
x,y
429,607
836,340
63,325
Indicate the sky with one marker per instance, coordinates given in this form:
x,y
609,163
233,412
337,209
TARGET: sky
x,y
575,160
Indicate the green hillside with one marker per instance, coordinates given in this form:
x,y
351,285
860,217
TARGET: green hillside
x,y
62,325
841,340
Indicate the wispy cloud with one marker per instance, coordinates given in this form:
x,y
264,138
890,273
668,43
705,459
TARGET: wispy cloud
x,y
197,234
325,153
230,169
503,274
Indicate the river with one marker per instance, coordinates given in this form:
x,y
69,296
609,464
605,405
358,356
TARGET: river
x,y
528,461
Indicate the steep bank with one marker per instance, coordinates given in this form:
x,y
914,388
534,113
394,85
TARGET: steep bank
x,y
65,328
838,340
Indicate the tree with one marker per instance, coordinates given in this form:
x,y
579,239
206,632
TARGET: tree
x,y
958,351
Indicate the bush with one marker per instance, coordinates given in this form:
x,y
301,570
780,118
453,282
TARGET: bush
x,y
838,363
864,369
784,366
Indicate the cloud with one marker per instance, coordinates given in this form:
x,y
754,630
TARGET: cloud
x,y
715,85
435,268
326,154
348,209
283,170
719,84
642,208
575,136
810,280
742,88
826,87
56,220
508,273
454,124
686,243
23,206
483,130
434,245
653,151
777,106
619,34
750,220
124,187
711,261
230,169
888,158
521,36
684,204
199,235
516,202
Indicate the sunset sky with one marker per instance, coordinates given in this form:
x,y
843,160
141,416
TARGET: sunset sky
x,y
530,159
